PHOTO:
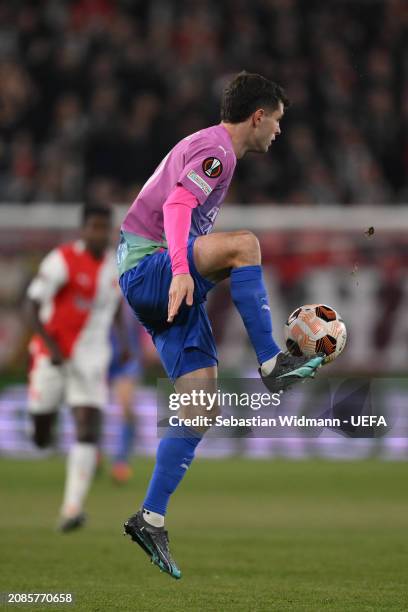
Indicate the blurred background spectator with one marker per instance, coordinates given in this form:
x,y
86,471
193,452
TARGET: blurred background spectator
x,y
94,93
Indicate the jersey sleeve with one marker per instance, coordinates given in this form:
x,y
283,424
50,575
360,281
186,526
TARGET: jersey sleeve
x,y
205,169
177,221
51,276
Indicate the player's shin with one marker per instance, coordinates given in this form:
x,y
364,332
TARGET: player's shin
x,y
81,464
251,299
126,438
174,456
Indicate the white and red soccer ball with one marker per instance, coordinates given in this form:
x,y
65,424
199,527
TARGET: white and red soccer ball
x,y
315,328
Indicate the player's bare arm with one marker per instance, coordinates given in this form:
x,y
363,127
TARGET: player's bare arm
x,y
33,311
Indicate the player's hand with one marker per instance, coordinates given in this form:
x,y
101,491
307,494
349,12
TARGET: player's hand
x,y
181,287
56,357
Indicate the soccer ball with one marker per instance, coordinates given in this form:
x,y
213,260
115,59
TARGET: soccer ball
x,y
315,328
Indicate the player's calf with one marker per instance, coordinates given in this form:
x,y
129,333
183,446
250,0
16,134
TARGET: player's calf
x,y
81,464
203,407
176,449
88,422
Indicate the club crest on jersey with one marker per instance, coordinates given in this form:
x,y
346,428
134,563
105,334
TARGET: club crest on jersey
x,y
212,167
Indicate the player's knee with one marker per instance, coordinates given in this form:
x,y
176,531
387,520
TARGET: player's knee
x,y
246,251
88,436
88,424
88,431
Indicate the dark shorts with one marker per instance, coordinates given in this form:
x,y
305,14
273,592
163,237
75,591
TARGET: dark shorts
x,y
187,344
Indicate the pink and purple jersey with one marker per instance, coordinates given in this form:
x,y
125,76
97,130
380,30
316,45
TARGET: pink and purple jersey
x,y
204,164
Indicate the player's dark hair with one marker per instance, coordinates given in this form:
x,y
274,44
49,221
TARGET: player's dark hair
x,y
96,210
246,93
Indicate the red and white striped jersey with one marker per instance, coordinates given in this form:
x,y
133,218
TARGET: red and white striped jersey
x,y
78,297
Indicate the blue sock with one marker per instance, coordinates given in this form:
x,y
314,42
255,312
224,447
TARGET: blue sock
x,y
250,297
127,432
174,455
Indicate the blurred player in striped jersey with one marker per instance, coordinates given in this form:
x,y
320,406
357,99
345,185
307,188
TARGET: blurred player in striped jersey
x,y
72,302
168,261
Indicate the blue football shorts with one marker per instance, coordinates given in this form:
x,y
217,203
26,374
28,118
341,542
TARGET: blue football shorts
x,y
188,343
131,368
128,369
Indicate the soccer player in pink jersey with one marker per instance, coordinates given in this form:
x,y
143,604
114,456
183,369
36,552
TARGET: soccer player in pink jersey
x,y
72,301
168,261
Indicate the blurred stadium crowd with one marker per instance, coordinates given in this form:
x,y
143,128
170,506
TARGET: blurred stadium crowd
x,y
94,93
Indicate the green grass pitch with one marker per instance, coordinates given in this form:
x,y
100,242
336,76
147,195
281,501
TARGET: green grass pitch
x,y
248,535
